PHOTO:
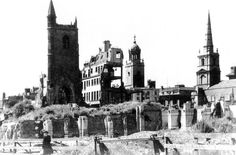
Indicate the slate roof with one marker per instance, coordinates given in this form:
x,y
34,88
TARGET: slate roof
x,y
223,89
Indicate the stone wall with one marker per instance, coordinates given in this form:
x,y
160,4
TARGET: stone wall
x,y
131,123
27,129
118,126
206,113
174,117
58,128
164,115
152,118
96,125
144,118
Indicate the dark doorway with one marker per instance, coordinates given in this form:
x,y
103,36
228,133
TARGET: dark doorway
x,y
65,95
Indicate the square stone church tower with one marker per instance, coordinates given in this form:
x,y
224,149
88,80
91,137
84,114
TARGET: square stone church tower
x,y
64,77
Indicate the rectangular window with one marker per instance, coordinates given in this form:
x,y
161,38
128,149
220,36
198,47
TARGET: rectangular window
x,y
96,69
91,70
89,73
118,54
92,82
97,95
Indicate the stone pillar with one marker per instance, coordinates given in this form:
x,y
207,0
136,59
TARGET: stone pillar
x,y
140,118
125,125
199,114
83,126
47,126
108,126
166,103
183,117
66,126
169,119
171,103
137,118
178,103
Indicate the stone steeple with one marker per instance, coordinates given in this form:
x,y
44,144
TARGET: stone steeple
x,y
209,42
208,73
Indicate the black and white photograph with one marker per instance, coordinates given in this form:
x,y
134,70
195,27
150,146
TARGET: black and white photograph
x,y
118,77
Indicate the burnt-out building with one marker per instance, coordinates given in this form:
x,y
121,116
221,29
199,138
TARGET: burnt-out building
x,y
145,94
64,77
102,80
176,95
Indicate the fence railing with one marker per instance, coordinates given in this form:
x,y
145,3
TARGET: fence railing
x,y
168,145
31,146
161,144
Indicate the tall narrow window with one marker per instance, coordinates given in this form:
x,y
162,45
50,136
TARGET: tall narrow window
x,y
202,62
66,42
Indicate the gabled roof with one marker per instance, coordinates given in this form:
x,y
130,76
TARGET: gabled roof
x,y
224,84
202,71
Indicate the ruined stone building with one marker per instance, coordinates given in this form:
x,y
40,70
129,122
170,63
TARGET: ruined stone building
x,y
64,77
177,95
148,93
102,77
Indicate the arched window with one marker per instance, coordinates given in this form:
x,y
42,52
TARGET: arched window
x,y
66,42
202,62
202,79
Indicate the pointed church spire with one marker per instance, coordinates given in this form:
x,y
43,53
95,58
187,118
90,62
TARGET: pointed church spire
x,y
51,10
209,43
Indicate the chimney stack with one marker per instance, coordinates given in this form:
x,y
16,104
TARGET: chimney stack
x,y
107,45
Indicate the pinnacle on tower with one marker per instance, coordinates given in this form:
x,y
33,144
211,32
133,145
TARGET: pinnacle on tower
x,y
75,23
51,15
209,43
51,10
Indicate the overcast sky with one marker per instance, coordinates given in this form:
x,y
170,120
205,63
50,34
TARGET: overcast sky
x,y
169,32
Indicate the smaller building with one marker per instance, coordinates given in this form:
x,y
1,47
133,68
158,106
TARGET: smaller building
x,y
225,90
177,95
148,94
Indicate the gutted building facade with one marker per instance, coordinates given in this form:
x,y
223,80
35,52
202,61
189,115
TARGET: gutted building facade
x,y
102,77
